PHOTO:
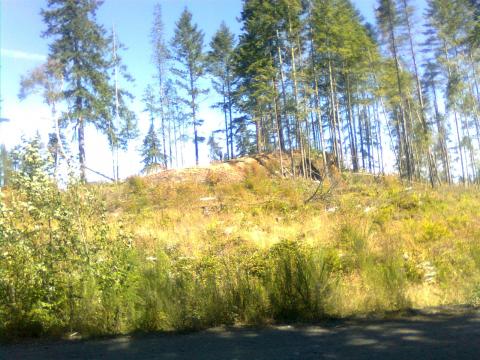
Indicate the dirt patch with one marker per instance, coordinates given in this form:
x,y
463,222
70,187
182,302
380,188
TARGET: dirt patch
x,y
230,171
239,169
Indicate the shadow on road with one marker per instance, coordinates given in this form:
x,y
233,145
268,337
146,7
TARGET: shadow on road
x,y
448,334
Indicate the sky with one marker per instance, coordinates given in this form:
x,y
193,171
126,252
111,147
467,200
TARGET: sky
x,y
23,48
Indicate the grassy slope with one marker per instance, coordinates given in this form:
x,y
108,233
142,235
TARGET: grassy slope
x,y
363,245
230,244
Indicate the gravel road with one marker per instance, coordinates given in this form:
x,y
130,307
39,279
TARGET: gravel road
x,y
447,333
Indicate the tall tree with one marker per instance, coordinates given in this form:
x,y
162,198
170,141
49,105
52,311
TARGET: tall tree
x,y
160,57
81,47
390,23
187,46
450,23
220,66
475,34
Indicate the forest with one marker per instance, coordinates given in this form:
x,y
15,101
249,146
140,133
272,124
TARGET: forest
x,y
303,76
344,179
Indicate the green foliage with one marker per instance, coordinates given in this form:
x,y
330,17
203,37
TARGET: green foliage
x,y
289,282
151,150
61,265
220,66
187,46
66,265
215,150
80,48
297,280
387,275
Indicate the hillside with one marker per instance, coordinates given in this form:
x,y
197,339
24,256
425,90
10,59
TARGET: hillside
x,y
380,245
235,243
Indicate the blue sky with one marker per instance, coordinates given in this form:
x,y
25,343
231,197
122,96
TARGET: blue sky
x,y
22,48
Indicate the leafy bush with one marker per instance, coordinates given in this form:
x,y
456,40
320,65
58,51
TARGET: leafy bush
x,y
61,264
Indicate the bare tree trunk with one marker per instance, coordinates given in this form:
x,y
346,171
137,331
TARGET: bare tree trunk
x,y
232,154
423,119
352,132
81,149
402,99
194,118
227,136
278,129
333,131
442,137
454,107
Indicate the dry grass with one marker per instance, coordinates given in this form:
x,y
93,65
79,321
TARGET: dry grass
x,y
211,249
392,245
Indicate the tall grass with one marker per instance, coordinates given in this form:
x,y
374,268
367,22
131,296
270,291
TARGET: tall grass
x,y
147,256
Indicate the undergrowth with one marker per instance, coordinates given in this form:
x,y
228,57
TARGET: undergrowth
x,y
150,256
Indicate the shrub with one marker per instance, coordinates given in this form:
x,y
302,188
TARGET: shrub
x,y
61,265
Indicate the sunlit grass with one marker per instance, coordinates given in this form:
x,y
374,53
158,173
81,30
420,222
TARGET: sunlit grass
x,y
256,251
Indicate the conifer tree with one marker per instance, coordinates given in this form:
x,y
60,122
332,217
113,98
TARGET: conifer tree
x,y
255,92
475,34
244,136
161,56
449,25
390,22
151,152
215,150
80,45
220,66
187,45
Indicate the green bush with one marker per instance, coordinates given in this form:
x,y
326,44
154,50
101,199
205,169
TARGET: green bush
x,y
61,265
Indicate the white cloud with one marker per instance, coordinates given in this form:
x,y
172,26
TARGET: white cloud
x,y
22,55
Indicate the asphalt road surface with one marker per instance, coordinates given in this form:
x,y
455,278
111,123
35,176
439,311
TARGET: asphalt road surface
x,y
447,333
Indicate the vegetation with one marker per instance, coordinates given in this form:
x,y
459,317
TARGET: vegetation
x,y
302,76
149,255
189,54
313,91
80,50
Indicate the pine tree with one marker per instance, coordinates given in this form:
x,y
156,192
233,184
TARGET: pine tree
x,y
161,56
450,24
256,90
215,150
81,48
220,66
475,34
188,45
244,136
151,151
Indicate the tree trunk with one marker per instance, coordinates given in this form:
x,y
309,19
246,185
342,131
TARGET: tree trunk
x,y
81,149
352,132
